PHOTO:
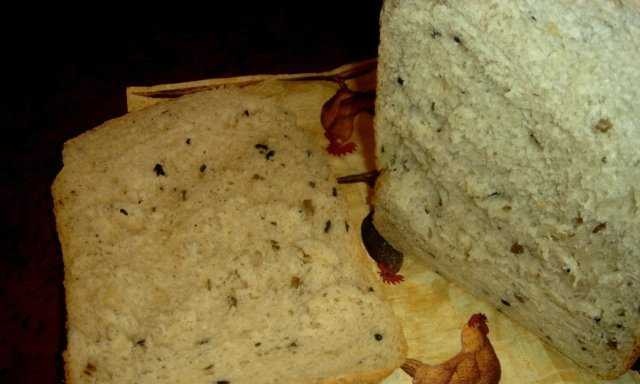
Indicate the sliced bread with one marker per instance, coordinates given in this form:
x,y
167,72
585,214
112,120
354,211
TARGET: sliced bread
x,y
509,133
205,241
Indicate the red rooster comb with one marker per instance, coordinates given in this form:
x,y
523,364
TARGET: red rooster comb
x,y
479,321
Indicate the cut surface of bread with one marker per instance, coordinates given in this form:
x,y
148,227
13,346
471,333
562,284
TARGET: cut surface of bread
x,y
509,135
206,241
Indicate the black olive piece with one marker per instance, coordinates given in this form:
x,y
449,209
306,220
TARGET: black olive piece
x,y
159,170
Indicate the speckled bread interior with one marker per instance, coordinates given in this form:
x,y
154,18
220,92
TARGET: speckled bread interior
x,y
206,241
509,133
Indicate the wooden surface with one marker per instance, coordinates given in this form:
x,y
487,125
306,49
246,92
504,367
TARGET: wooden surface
x,y
431,310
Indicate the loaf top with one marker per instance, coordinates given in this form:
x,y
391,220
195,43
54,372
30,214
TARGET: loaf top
x,y
205,241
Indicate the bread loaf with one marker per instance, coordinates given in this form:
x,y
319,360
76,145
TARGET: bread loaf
x,y
206,241
509,134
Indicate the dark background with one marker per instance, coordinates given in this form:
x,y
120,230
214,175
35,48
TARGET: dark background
x,y
62,76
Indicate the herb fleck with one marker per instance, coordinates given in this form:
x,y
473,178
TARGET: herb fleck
x,y
232,301
346,226
378,336
246,112
327,226
308,207
203,341
517,248
274,245
599,227
141,343
312,184
270,154
603,125
334,192
159,170
295,282
124,212
89,369
188,141
203,167
505,302
400,80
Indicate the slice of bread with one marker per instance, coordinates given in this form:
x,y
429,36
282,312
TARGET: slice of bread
x,y
509,133
206,241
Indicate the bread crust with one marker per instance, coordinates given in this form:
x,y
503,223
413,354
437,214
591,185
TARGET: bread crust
x,y
631,360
